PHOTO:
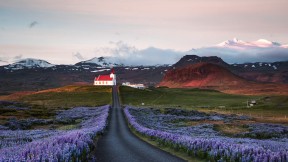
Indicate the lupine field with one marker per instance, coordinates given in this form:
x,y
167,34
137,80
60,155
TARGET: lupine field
x,y
259,142
55,144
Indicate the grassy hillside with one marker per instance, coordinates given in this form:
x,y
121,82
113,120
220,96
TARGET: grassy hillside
x,y
70,96
44,104
182,97
272,108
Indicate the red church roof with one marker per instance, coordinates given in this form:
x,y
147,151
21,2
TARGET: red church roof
x,y
103,78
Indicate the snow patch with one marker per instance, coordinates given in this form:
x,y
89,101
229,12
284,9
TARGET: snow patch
x,y
235,43
101,70
30,63
104,61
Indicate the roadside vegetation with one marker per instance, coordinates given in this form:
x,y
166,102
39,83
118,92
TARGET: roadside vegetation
x,y
259,142
45,104
203,114
63,123
267,109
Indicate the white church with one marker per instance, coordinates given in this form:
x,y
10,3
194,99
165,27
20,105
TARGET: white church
x,y
106,80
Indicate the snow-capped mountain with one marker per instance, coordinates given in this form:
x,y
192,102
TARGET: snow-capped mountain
x,y
29,63
234,43
102,61
239,51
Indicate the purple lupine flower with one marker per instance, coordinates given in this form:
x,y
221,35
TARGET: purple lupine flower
x,y
151,123
54,145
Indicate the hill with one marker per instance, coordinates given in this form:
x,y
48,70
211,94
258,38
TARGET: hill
x,y
212,76
201,75
194,59
29,64
267,72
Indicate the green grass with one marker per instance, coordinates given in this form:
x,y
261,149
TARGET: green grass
x,y
44,104
68,127
71,96
268,108
188,98
272,109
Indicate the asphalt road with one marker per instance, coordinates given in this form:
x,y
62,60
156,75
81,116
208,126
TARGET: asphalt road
x,y
120,145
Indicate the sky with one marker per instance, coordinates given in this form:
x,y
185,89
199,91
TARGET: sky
x,y
69,31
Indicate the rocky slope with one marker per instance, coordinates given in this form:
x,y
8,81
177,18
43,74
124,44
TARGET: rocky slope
x,y
276,72
213,76
200,75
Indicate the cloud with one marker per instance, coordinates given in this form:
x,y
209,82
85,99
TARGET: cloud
x,y
79,56
130,55
243,55
17,58
33,24
4,61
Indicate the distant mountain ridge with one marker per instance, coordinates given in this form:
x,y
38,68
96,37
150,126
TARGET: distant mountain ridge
x,y
102,61
258,43
34,74
276,72
30,63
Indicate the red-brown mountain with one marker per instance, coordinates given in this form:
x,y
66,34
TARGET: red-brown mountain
x,y
200,75
212,76
276,72
194,59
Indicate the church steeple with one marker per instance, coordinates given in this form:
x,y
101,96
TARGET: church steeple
x,y
113,75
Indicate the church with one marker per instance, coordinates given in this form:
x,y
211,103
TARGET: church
x,y
106,80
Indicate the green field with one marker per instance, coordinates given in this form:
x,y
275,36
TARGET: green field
x,y
71,96
45,104
268,108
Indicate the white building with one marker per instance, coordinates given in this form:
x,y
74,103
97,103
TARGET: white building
x,y
106,80
139,86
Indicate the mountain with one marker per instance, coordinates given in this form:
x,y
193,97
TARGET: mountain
x,y
212,76
276,72
193,59
29,63
200,75
34,75
238,51
102,61
258,43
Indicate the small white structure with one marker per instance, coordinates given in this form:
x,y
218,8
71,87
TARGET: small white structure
x,y
251,103
139,86
106,80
